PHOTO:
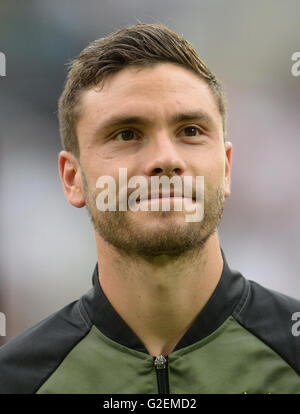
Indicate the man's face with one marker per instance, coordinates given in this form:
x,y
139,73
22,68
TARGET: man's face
x,y
160,120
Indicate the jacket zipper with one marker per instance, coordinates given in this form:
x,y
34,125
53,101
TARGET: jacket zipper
x,y
161,367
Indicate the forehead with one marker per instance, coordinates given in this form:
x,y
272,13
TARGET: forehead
x,y
159,90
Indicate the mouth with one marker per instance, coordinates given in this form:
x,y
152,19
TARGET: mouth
x,y
164,195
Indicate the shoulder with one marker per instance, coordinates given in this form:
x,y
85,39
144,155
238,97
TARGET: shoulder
x,y
27,360
274,318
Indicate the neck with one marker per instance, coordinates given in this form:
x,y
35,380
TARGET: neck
x,y
159,298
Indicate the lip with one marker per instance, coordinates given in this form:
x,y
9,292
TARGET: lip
x,y
164,195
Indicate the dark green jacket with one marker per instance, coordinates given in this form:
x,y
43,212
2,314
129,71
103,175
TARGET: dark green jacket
x,y
244,340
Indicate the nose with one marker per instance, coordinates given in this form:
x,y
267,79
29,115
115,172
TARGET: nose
x,y
163,158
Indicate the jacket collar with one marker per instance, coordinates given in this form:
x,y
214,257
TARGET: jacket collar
x,y
220,306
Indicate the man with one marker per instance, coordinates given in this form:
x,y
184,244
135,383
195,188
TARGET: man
x,y
165,314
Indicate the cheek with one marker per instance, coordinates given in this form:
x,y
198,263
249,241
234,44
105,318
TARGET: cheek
x,y
211,166
95,166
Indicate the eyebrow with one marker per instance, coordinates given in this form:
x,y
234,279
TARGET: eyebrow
x,y
119,120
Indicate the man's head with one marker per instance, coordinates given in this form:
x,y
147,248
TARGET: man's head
x,y
160,114
141,45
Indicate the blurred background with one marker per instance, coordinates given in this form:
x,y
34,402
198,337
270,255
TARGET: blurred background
x,y
48,250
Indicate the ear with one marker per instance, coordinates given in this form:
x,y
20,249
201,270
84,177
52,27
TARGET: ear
x,y
70,175
228,151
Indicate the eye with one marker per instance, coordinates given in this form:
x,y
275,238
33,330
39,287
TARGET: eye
x,y
125,135
191,131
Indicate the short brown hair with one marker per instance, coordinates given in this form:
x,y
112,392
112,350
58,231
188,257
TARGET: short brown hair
x,y
139,45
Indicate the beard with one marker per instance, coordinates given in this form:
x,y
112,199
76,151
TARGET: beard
x,y
169,236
